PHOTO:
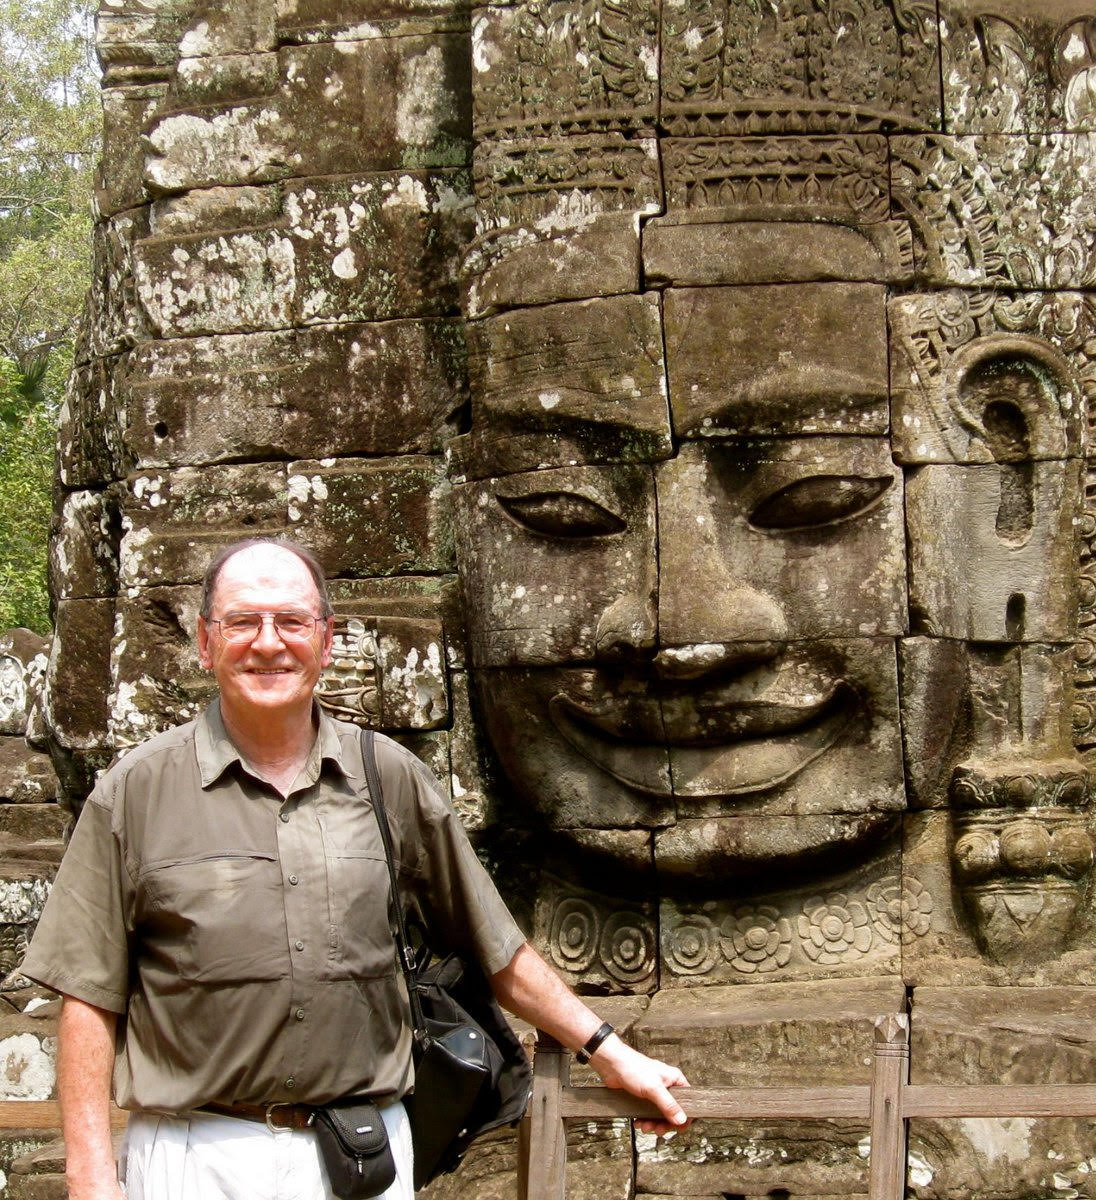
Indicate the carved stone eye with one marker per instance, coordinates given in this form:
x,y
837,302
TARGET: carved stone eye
x,y
819,500
562,515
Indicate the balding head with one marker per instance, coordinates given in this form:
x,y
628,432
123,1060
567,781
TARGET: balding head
x,y
213,571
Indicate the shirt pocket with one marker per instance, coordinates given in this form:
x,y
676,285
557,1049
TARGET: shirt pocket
x,y
215,918
360,942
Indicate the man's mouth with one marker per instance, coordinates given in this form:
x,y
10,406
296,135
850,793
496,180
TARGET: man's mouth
x,y
693,746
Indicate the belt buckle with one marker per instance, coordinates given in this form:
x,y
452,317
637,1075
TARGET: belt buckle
x,y
270,1114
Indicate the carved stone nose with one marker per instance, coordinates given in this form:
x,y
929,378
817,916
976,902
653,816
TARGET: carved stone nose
x,y
627,630
735,613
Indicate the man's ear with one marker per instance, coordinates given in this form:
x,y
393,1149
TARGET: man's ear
x,y
204,656
328,641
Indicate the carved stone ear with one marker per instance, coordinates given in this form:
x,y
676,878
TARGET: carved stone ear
x,y
1017,398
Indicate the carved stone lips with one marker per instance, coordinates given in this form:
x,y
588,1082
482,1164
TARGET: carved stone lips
x,y
705,745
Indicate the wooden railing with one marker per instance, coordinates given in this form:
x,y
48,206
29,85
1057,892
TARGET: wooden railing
x,y
884,1105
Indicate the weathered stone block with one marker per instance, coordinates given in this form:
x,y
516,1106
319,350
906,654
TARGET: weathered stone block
x,y
139,39
932,675
350,20
83,557
731,370
777,1036
26,775
468,780
245,26
22,664
222,79
990,547
388,104
31,822
157,681
588,368
798,179
781,540
1001,1035
1020,67
948,953
320,264
373,517
174,521
114,320
528,190
1006,209
698,252
610,945
387,673
551,560
429,598
204,210
126,110
989,376
388,388
599,257
74,699
90,426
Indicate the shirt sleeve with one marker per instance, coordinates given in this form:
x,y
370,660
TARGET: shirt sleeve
x,y
458,902
80,947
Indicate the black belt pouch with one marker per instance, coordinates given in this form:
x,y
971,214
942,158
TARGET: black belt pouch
x,y
355,1150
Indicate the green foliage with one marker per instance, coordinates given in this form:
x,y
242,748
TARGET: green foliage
x,y
50,128
27,437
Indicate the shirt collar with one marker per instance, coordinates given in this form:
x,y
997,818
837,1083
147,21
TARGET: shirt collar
x,y
216,751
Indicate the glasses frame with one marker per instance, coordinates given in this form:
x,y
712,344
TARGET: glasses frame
x,y
265,615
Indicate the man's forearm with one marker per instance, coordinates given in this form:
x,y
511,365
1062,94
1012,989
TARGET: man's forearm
x,y
530,989
85,1061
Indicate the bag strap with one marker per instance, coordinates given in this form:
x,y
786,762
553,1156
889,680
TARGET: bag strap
x,y
405,954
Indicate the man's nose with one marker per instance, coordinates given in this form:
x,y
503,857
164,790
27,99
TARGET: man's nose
x,y
267,638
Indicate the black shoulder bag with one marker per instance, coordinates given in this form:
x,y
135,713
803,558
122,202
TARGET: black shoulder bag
x,y
471,1074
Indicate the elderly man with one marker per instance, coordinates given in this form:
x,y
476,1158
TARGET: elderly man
x,y
219,925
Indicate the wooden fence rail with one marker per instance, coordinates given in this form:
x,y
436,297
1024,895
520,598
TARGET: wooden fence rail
x,y
885,1106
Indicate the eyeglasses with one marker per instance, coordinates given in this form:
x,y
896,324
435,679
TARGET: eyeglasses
x,y
246,626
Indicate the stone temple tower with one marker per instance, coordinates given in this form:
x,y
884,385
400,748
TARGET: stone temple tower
x,y
690,402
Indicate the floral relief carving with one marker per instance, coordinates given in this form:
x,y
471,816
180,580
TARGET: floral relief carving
x,y
756,940
899,908
834,929
691,944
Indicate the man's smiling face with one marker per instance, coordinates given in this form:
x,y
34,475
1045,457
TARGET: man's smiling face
x,y
267,674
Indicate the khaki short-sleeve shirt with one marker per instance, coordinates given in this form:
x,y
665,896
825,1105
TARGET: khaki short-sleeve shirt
x,y
244,938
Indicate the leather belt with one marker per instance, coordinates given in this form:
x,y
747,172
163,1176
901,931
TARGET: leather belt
x,y
273,1116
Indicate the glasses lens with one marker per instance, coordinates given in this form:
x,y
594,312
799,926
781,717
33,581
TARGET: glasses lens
x,y
293,627
241,627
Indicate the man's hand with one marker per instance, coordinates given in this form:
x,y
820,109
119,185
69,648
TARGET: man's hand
x,y
622,1067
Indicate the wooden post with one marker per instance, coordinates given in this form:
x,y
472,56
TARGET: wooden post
x,y
887,1173
542,1148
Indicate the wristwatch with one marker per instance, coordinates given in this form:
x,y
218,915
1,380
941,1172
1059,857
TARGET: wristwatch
x,y
594,1044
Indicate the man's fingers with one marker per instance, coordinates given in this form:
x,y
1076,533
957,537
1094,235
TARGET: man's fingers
x,y
668,1106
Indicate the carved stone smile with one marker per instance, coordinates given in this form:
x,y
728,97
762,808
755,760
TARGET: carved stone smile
x,y
693,748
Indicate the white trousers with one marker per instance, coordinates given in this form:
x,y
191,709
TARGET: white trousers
x,y
204,1156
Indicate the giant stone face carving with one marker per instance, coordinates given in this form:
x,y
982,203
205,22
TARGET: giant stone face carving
x,y
760,519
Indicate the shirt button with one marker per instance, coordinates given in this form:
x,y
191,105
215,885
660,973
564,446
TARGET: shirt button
x,y
299,1014
299,944
290,1084
294,880
284,816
